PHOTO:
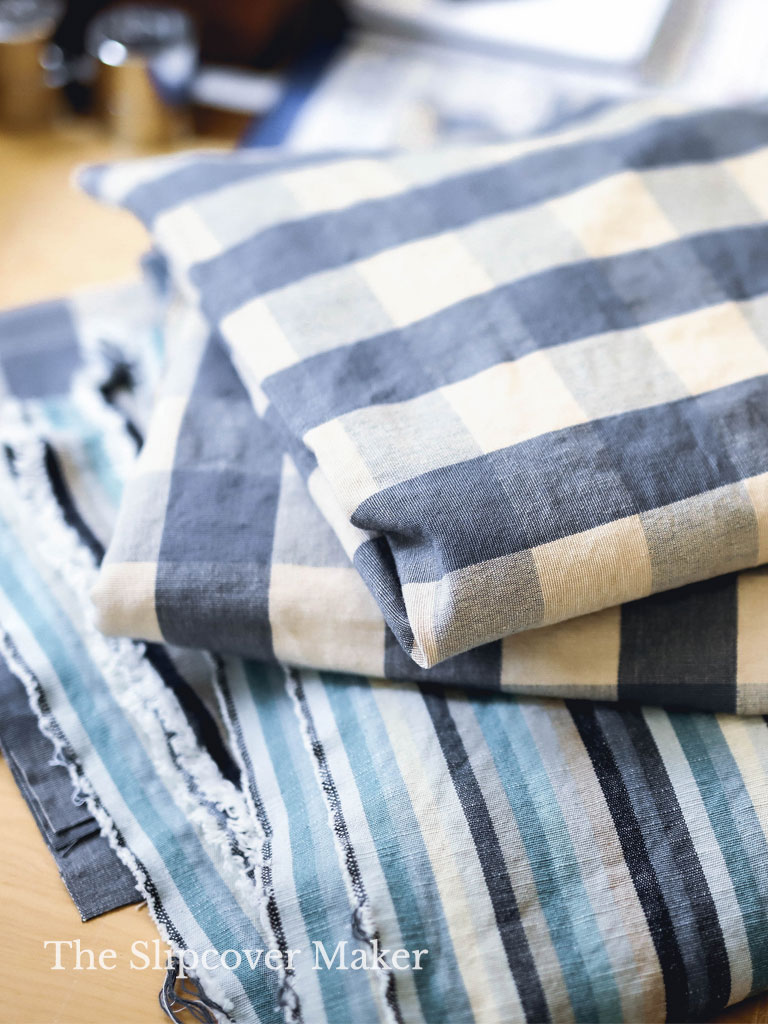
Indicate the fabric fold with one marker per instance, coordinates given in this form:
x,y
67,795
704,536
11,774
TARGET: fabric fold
x,y
217,542
516,859
556,860
515,403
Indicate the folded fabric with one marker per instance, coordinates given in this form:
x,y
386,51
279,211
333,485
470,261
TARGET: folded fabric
x,y
217,543
532,375
556,861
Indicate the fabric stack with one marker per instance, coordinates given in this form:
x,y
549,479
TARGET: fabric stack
x,y
431,615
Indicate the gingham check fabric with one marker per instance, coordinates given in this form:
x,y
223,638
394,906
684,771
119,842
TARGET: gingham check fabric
x,y
218,543
532,376
559,861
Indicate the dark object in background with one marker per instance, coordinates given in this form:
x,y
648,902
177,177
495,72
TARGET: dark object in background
x,y
26,28
145,59
269,34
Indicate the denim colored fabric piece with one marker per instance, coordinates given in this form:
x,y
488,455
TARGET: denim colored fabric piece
x,y
529,380
94,876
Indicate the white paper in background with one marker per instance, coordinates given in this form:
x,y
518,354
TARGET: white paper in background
x,y
614,32
727,58
388,90
383,91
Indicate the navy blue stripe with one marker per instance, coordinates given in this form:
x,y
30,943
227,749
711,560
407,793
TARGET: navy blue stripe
x,y
274,128
231,463
503,502
293,250
196,179
556,306
675,859
343,837
679,647
66,502
633,845
489,853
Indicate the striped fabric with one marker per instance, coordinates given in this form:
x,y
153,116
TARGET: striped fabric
x,y
558,861
528,380
217,543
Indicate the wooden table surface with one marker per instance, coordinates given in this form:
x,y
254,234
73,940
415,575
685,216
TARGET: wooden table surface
x,y
54,240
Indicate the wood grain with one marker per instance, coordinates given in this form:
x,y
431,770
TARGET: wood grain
x,y
35,907
53,240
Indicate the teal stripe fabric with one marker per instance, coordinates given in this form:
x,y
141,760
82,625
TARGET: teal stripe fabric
x,y
554,861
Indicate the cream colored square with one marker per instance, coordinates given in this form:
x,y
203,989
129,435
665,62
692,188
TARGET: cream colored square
x,y
512,402
349,536
385,435
709,348
752,650
339,185
614,216
422,277
596,569
124,600
183,232
581,652
159,451
326,618
258,343
757,489
419,600
751,173
341,463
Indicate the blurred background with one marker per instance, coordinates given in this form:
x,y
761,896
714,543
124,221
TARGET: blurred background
x,y
85,80
376,71
88,80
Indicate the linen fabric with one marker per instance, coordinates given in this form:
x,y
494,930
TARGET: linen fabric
x,y
517,402
559,860
218,543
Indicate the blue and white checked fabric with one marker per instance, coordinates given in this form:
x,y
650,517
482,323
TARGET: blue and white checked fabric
x,y
218,543
559,861
525,381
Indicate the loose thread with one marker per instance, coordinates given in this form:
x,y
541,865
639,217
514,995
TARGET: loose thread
x,y
189,997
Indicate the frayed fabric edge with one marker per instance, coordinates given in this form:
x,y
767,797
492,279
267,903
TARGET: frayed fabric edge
x,y
362,922
145,700
289,999
82,791
122,454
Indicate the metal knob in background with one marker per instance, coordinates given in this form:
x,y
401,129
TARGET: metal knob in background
x,y
146,58
26,27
